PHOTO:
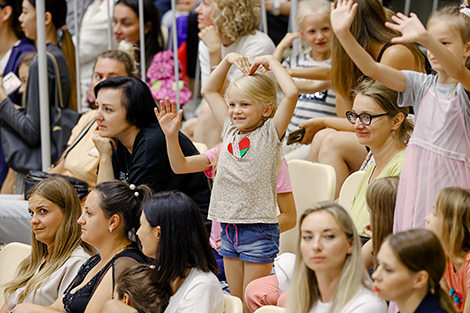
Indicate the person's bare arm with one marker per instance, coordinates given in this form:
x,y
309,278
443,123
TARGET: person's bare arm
x,y
312,86
315,73
105,147
313,125
288,217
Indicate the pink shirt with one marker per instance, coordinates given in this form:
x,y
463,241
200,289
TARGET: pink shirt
x,y
283,186
459,281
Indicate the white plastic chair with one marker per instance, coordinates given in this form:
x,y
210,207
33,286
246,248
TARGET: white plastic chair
x,y
348,190
311,183
232,304
270,309
10,257
201,147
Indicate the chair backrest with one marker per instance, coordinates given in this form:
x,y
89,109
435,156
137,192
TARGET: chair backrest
x,y
311,183
201,147
10,257
232,304
270,309
348,190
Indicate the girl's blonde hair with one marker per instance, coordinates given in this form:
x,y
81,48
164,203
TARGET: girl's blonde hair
x,y
67,238
304,292
261,87
453,206
235,19
310,7
368,25
386,99
451,15
381,196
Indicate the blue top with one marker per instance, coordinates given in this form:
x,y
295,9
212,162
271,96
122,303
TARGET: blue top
x,y
430,305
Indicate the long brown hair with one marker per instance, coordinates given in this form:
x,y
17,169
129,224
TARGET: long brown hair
x,y
367,26
67,238
381,196
418,250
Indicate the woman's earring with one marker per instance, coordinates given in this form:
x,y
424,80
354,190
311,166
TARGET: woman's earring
x,y
110,229
393,132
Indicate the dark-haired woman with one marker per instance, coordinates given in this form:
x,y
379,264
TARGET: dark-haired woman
x,y
172,232
127,122
411,264
108,222
126,27
25,123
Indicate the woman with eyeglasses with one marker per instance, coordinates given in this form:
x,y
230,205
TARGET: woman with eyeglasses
x,y
383,127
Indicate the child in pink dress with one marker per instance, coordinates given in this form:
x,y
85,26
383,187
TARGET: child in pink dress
x,y
438,154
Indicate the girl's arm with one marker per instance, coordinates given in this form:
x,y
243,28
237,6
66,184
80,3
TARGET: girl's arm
x,y
341,19
306,86
366,252
413,31
170,121
286,108
285,43
315,73
215,83
288,216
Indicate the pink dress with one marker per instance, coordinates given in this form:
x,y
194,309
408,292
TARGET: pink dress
x,y
438,154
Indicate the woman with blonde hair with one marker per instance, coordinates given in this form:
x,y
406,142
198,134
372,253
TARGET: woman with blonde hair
x,y
226,26
329,273
57,250
334,142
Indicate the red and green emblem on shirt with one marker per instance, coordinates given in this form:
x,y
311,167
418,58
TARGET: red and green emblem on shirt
x,y
239,149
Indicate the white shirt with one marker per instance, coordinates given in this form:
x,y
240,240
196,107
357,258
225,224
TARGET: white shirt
x,y
364,301
200,292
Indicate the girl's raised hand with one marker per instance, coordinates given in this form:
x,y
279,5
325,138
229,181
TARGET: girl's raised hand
x,y
169,118
261,61
240,61
342,16
411,28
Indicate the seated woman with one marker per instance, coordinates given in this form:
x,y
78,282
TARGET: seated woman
x,y
383,127
127,122
329,273
56,249
411,265
172,233
108,222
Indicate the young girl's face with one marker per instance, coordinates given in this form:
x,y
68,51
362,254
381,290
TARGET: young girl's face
x,y
451,38
317,33
434,222
23,73
393,281
245,114
28,20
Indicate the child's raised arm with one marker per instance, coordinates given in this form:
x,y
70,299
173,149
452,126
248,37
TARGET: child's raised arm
x,y
170,121
341,19
286,108
285,43
413,31
215,83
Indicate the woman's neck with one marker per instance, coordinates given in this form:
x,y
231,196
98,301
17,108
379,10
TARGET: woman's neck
x,y
128,138
410,302
225,41
8,39
176,284
113,246
326,284
386,152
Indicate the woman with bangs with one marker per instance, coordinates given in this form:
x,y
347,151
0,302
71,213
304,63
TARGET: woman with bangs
x,y
57,250
226,26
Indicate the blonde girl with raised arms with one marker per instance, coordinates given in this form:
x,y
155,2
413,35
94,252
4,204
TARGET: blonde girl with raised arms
x,y
450,221
316,98
243,199
438,153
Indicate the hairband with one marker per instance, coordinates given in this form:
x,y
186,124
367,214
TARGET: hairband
x,y
465,9
133,187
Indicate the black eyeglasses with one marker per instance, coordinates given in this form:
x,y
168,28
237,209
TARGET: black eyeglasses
x,y
365,118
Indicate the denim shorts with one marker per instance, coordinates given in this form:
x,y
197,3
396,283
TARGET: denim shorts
x,y
257,243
